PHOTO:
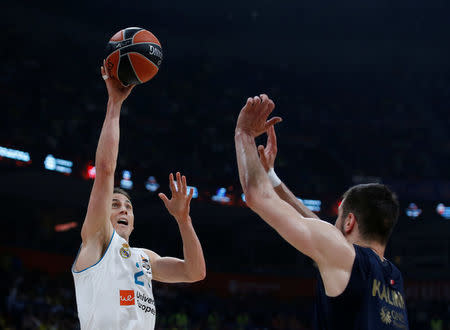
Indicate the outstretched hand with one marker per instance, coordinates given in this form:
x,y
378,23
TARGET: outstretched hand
x,y
179,204
116,91
252,119
268,154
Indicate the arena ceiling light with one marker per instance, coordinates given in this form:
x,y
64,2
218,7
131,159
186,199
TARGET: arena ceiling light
x,y
151,184
126,182
443,210
19,155
314,205
221,196
59,165
413,210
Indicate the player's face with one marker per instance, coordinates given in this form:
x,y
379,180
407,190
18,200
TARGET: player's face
x,y
122,217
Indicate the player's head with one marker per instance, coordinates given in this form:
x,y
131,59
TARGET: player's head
x,y
122,216
373,207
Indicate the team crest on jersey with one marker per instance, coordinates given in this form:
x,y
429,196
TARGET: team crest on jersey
x,y
125,251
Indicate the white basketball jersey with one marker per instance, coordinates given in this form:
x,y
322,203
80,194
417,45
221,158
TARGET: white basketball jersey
x,y
116,292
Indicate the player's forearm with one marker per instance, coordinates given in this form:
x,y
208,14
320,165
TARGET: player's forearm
x,y
285,194
254,180
108,144
194,261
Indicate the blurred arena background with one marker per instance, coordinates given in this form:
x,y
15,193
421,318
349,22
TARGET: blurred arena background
x,y
364,90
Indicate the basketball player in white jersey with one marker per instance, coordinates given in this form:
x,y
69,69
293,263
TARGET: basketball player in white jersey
x,y
113,280
357,287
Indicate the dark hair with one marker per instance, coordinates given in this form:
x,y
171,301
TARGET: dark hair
x,y
376,210
118,190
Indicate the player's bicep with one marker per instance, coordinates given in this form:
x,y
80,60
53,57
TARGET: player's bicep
x,y
167,269
315,238
96,223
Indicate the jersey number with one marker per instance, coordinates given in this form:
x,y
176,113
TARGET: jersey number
x,y
136,278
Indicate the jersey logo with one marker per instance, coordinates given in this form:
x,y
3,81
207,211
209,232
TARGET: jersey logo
x,y
385,316
126,297
146,265
125,251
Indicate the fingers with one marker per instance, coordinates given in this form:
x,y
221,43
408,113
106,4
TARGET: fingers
x,y
103,71
182,182
163,198
178,186
267,104
272,121
256,100
262,99
271,106
172,186
261,102
191,193
261,152
271,137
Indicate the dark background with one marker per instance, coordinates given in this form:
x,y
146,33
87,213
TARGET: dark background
x,y
364,91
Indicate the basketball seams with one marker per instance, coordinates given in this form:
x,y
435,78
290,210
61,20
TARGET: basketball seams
x,y
145,36
132,66
116,69
134,35
147,49
142,43
152,57
133,30
144,57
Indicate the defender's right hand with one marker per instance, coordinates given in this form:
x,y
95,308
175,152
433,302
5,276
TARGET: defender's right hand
x,y
268,154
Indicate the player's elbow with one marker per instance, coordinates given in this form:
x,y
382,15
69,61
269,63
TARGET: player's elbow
x,y
201,275
197,276
105,168
256,198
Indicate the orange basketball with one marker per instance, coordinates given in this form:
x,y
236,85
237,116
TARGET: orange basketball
x,y
133,56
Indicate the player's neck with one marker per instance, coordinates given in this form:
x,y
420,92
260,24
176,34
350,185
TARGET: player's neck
x,y
376,247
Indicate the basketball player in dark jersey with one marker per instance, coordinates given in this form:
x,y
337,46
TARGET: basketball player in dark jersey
x,y
357,287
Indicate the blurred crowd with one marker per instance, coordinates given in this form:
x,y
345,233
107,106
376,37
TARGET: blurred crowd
x,y
36,300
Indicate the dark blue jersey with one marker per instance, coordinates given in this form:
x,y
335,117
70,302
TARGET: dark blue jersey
x,y
374,298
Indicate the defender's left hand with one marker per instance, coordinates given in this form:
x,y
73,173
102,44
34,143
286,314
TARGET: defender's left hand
x,y
179,204
252,119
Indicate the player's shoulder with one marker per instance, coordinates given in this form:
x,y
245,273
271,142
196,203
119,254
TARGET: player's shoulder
x,y
151,254
395,271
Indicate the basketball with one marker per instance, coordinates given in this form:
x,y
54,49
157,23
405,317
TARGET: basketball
x,y
133,56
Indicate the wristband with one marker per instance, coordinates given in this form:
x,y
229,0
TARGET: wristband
x,y
274,179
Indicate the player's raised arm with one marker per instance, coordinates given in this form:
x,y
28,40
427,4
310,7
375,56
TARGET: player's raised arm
x,y
192,268
318,239
97,228
267,156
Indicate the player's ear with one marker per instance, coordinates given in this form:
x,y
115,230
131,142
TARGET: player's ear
x,y
350,223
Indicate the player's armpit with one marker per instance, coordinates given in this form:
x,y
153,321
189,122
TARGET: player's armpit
x,y
317,239
169,269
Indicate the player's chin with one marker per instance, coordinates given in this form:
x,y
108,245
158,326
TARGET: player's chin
x,y
123,232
